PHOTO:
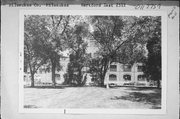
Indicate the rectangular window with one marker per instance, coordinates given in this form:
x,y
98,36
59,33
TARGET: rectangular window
x,y
112,77
141,78
140,68
57,76
113,68
127,77
127,68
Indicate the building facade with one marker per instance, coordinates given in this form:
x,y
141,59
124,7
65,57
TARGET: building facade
x,y
117,74
44,75
127,75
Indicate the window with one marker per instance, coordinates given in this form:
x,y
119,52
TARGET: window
x,y
112,77
115,59
127,68
94,77
113,68
127,77
57,76
141,77
140,68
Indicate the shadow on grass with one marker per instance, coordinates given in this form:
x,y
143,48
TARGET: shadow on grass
x,y
157,90
30,106
153,99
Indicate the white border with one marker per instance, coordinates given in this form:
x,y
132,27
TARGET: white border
x,y
163,15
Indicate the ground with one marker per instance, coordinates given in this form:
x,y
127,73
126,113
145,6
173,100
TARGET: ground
x,y
93,97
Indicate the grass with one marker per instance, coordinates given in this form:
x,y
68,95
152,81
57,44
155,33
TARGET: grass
x,y
93,97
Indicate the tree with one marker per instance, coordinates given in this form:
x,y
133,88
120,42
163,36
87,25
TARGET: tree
x,y
74,71
68,77
78,57
121,39
95,69
53,46
107,34
151,33
48,32
153,62
33,59
114,40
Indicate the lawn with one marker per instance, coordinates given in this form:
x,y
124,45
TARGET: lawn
x,y
93,97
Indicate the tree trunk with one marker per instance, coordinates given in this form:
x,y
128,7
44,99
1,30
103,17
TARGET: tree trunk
x,y
103,72
158,83
103,76
102,80
32,79
70,78
53,74
79,77
32,75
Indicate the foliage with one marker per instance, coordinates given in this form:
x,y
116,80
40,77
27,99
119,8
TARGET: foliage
x,y
78,56
95,69
58,26
153,62
107,32
47,33
33,59
124,39
118,40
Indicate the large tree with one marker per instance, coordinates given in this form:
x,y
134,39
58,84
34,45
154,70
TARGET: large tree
x,y
54,45
78,56
47,32
95,69
33,59
107,32
152,63
114,40
121,39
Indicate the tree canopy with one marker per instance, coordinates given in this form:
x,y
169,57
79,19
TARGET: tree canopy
x,y
124,39
44,36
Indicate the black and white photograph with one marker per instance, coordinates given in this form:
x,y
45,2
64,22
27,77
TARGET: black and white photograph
x,y
85,59
92,61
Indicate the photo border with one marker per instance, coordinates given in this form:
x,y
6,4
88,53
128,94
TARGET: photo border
x,y
164,57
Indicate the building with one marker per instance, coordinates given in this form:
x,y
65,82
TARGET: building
x,y
117,74
127,75
44,74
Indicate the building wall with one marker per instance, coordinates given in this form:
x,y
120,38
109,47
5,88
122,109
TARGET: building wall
x,y
43,76
123,73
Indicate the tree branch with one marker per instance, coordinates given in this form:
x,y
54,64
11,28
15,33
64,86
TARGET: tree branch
x,y
65,26
59,21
